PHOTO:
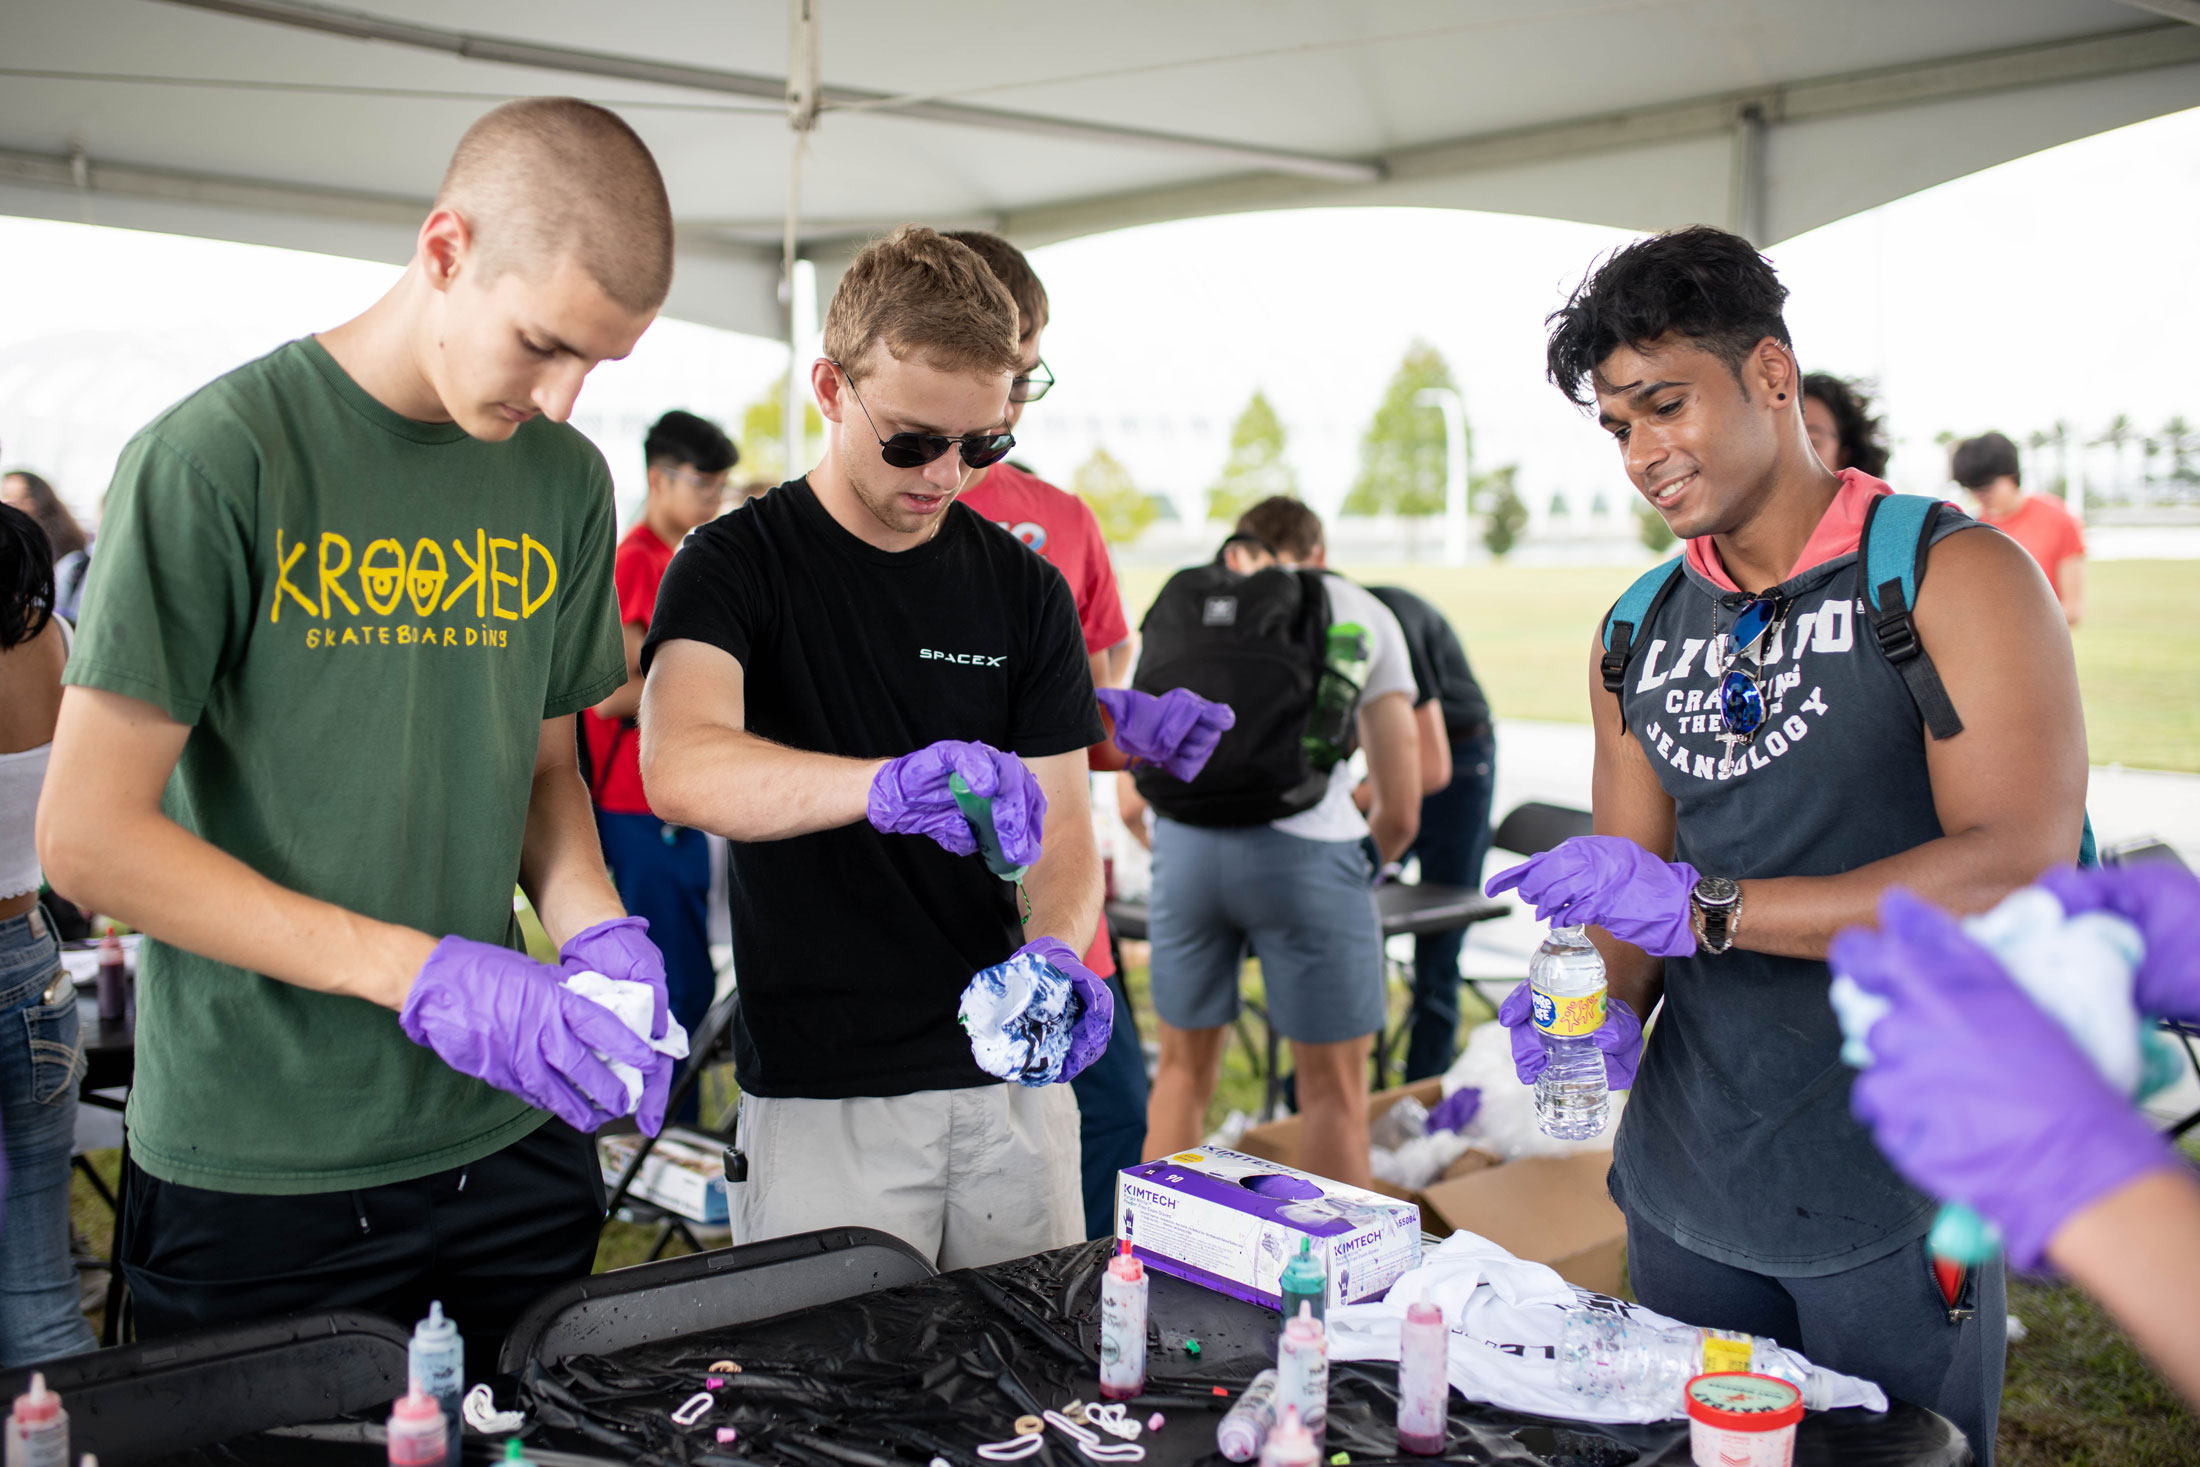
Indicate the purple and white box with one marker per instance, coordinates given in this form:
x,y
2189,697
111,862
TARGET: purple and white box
x,y
1230,1222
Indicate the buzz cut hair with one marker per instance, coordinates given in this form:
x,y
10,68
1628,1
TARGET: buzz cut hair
x,y
1016,273
546,177
918,293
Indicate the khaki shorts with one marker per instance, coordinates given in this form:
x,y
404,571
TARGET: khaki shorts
x,y
965,1177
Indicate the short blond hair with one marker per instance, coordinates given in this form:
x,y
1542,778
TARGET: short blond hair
x,y
919,293
546,177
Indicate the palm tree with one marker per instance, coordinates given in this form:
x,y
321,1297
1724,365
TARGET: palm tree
x,y
2059,436
2118,433
2178,438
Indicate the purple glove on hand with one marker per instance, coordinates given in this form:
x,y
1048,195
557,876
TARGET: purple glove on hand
x,y
1610,882
2163,902
1088,1037
502,1017
910,797
621,949
1619,1036
1178,730
1976,1095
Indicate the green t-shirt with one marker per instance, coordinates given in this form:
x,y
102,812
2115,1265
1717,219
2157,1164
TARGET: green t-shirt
x,y
365,620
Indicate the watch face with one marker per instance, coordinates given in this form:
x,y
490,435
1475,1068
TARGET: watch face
x,y
1718,891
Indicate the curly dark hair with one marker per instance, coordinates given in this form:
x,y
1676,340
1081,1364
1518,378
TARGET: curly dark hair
x,y
1863,437
1699,282
26,578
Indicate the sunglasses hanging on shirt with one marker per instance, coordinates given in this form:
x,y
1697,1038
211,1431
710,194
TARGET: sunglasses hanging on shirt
x,y
1742,687
915,450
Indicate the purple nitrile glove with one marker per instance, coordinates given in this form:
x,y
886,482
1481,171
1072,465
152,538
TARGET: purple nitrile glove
x,y
1178,730
1610,882
621,949
1619,1036
910,797
1455,1110
1088,1038
2163,902
500,1016
1973,1093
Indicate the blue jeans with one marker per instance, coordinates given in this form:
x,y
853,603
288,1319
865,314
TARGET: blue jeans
x,y
40,1064
1111,1108
1454,839
668,882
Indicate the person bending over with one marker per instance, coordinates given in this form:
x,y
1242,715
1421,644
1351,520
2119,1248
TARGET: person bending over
x,y
347,601
821,665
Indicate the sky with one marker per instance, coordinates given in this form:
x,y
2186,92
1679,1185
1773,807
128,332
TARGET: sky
x,y
2058,286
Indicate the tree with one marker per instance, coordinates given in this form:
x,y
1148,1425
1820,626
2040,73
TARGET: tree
x,y
1656,535
1507,515
2118,433
1256,468
1402,465
763,437
2179,440
1122,509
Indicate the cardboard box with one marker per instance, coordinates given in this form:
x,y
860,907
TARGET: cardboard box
x,y
1551,1210
1229,1221
685,1173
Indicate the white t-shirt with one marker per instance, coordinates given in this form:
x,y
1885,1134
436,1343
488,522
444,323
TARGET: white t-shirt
x,y
1389,670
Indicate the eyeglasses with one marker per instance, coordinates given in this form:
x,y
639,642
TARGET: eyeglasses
x,y
915,450
709,485
1032,385
1741,691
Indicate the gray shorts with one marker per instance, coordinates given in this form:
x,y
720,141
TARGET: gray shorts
x,y
1303,907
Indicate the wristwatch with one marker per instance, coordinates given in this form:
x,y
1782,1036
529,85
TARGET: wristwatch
x,y
1714,909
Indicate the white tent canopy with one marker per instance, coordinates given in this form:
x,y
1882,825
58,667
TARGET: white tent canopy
x,y
316,127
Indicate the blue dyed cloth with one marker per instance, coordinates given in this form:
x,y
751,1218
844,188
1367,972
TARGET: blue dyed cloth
x,y
1020,1016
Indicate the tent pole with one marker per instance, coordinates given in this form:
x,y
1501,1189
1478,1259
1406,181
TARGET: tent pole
x,y
802,98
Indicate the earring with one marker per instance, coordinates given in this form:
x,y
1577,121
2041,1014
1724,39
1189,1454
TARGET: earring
x,y
1783,397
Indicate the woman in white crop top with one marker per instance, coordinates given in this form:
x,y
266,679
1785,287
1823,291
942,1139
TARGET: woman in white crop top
x,y
40,1060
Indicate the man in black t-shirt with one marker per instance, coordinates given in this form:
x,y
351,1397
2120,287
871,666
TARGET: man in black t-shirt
x,y
820,660
1454,719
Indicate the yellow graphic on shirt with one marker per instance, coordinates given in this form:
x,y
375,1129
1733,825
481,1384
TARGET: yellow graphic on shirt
x,y
510,581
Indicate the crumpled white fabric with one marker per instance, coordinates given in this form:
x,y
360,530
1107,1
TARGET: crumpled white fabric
x,y
1019,1015
636,1007
1505,1121
1505,1315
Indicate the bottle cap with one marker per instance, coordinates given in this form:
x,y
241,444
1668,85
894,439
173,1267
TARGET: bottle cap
x,y
1424,1310
1125,1265
415,1406
1304,1326
1290,1437
37,1405
437,1325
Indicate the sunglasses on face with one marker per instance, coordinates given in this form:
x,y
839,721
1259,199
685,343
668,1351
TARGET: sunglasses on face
x,y
915,450
1032,385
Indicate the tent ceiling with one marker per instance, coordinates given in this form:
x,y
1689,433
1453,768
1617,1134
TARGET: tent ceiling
x,y
301,124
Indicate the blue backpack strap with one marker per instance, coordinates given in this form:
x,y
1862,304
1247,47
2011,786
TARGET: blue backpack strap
x,y
1898,531
1636,608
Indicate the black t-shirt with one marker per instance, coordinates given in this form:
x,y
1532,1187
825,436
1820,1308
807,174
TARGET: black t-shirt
x,y
853,947
1439,663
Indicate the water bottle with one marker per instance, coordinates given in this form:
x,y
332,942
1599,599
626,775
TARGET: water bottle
x,y
1328,735
1302,1368
1566,991
1239,1434
1608,1357
1123,1327
1424,1379
436,1362
1303,1282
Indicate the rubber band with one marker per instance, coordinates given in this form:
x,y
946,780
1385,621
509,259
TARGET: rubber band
x,y
1029,1426
694,1409
1015,1449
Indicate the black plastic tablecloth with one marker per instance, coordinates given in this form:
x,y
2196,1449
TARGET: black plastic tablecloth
x,y
896,1378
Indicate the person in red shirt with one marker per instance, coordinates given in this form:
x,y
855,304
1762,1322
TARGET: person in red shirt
x,y
1987,466
1111,1093
662,870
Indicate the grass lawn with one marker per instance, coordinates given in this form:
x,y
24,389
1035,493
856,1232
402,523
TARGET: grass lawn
x,y
1527,631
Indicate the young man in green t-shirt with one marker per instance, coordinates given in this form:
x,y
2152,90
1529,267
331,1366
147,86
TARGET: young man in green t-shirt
x,y
321,719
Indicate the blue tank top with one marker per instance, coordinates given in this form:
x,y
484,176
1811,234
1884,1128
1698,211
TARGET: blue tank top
x,y
1737,1141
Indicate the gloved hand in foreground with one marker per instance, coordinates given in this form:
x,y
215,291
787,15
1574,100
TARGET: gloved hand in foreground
x,y
1610,882
910,797
621,949
1620,1037
1088,1037
1178,730
502,1017
1973,1093
2163,902
1039,1016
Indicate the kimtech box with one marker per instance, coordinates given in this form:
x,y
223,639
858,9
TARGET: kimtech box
x,y
1229,1222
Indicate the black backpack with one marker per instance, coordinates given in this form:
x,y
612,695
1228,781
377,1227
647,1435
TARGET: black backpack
x,y
1254,642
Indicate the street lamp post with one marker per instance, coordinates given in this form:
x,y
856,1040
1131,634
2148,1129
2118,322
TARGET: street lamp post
x,y
1454,409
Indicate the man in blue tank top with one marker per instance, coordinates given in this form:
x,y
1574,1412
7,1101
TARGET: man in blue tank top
x,y
1763,772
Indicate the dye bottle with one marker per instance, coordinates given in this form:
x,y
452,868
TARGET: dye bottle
x,y
1566,994
1123,1326
1302,1366
1290,1444
1424,1384
1304,1281
1239,1434
38,1429
436,1361
416,1434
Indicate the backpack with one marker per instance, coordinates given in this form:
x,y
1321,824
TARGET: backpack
x,y
1257,643
1898,531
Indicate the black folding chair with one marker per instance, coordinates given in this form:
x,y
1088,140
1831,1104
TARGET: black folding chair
x,y
711,1041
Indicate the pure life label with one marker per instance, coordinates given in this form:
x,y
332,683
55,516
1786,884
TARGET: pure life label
x,y
1567,1018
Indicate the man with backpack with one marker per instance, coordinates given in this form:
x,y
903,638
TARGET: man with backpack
x,y
1791,718
1263,849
